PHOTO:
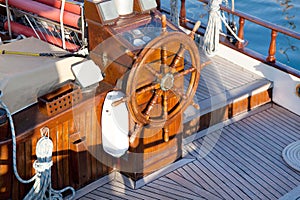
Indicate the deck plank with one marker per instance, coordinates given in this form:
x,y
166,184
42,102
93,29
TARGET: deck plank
x,y
119,190
139,193
92,196
247,169
210,185
187,174
261,170
176,193
164,182
196,189
227,179
109,193
263,157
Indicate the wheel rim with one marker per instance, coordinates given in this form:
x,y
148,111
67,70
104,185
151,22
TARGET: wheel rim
x,y
162,81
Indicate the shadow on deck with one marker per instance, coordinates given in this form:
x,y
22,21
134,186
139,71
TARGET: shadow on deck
x,y
236,153
240,161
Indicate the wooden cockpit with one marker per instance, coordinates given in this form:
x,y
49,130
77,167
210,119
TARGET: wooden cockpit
x,y
116,87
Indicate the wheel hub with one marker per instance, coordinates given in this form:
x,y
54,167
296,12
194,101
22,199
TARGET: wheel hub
x,y
167,82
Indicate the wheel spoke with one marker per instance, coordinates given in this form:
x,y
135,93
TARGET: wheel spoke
x,y
179,55
179,92
185,72
163,24
197,25
151,104
136,132
153,71
148,88
164,57
165,105
195,105
118,102
166,134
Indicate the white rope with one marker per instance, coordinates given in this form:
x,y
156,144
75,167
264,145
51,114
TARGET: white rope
x,y
30,24
62,28
8,19
211,36
42,186
230,29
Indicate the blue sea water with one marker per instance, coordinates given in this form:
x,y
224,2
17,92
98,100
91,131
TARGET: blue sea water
x,y
284,13
281,12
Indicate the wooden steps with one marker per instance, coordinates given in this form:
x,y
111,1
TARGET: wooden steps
x,y
225,90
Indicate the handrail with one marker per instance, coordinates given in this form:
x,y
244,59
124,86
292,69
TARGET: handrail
x,y
261,22
275,29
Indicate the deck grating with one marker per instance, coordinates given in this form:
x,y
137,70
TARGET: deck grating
x,y
240,161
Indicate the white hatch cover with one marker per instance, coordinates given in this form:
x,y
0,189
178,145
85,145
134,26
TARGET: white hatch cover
x,y
87,73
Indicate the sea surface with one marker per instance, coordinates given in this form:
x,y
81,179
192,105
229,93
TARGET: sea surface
x,y
284,13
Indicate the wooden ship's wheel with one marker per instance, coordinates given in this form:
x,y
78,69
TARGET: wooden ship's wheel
x,y
159,77
162,82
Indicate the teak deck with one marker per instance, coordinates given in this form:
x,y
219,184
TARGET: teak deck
x,y
244,163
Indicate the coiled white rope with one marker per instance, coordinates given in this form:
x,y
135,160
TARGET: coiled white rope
x,y
211,36
42,187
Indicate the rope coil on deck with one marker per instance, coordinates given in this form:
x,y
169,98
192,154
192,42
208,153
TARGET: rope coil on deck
x,y
42,186
291,155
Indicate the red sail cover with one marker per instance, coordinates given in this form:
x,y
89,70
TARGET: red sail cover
x,y
73,8
28,32
45,11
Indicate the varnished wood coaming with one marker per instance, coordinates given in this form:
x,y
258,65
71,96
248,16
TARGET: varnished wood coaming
x,y
73,132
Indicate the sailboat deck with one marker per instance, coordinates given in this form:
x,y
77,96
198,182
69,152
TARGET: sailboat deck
x,y
239,161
